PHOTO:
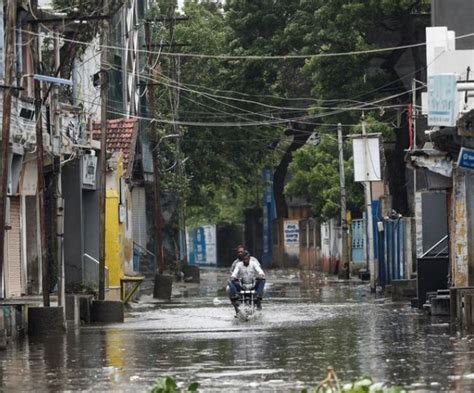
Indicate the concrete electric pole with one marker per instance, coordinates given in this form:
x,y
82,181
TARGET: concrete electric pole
x,y
7,105
58,213
344,269
156,166
370,225
40,160
104,90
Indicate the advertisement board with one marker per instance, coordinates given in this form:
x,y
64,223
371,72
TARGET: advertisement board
x,y
366,151
291,233
442,100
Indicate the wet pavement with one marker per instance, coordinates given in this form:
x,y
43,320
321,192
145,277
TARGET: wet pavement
x,y
307,324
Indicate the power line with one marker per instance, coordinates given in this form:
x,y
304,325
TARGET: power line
x,y
257,57
214,97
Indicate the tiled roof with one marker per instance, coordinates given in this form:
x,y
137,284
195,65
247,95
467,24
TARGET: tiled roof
x,y
121,137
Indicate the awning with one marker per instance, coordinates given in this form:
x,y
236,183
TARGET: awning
x,y
434,160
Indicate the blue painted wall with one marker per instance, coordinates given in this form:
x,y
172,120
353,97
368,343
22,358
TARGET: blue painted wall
x,y
269,214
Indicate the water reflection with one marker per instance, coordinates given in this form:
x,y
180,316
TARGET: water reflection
x,y
308,323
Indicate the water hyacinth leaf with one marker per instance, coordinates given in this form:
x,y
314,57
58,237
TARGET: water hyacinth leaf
x,y
365,382
170,384
165,385
193,387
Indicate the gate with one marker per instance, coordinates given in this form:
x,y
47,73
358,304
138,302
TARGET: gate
x,y
358,241
392,259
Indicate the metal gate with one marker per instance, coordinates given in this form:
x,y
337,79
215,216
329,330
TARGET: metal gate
x,y
392,259
358,241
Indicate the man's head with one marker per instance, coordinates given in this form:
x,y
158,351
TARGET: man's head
x,y
246,258
240,251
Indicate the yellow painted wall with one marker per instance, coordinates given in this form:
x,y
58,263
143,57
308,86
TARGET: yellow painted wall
x,y
113,255
118,236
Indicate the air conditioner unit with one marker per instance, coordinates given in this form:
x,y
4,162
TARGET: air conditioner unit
x,y
31,140
17,135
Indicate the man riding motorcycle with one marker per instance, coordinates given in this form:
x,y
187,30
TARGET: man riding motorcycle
x,y
246,272
240,255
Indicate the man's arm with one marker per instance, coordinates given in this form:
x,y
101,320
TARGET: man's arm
x,y
258,269
235,273
236,261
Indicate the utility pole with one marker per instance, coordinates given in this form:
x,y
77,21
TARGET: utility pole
x,y
156,166
413,111
58,213
175,100
180,167
40,161
104,90
370,225
7,105
344,270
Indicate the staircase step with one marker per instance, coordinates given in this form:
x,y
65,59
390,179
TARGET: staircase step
x,y
427,308
440,305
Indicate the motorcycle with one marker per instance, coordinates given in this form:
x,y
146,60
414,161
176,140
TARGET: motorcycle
x,y
247,300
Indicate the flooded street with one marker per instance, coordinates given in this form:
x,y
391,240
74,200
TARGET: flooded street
x,y
307,324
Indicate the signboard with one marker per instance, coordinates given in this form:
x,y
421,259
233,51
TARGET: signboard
x,y
291,236
442,100
201,245
366,151
466,158
89,169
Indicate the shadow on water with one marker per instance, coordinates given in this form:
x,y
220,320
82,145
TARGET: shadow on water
x,y
307,324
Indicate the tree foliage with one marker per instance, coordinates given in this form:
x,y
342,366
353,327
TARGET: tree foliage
x,y
307,93
223,167
316,178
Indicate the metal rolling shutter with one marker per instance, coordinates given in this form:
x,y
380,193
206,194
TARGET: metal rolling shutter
x,y
139,216
13,271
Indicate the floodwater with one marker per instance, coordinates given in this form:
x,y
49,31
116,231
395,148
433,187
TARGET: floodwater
x,y
307,324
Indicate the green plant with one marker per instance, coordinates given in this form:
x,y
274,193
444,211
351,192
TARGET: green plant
x,y
169,385
363,385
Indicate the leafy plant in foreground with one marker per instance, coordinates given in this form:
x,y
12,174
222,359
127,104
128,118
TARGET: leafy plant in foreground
x,y
331,384
169,385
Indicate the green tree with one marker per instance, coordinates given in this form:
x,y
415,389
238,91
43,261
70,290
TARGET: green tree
x,y
223,163
315,171
332,26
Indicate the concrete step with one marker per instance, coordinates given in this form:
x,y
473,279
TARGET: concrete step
x,y
443,292
440,306
427,308
403,289
364,275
